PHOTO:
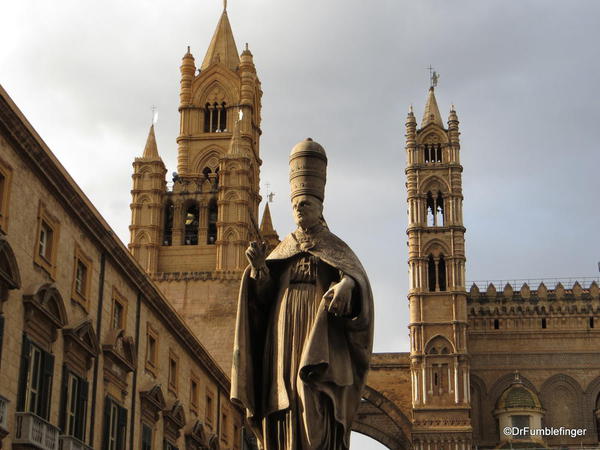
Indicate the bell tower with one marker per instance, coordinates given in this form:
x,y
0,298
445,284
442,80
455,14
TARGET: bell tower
x,y
204,221
437,295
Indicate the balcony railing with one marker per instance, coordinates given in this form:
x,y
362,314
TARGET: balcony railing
x,y
72,443
3,415
33,430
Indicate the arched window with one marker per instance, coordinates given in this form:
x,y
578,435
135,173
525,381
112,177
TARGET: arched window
x,y
432,153
168,230
431,272
442,273
435,209
436,273
215,117
211,235
191,222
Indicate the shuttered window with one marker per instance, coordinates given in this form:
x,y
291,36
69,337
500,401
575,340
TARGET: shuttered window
x,y
35,379
74,399
115,425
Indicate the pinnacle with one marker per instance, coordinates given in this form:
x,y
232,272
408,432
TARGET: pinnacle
x,y
151,149
432,112
222,46
266,224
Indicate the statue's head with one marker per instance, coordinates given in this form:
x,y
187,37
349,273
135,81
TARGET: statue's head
x,y
308,172
308,211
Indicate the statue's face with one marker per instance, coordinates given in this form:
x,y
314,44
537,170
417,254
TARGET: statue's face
x,y
307,210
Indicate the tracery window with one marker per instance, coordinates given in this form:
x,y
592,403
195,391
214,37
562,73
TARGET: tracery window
x,y
435,209
215,117
436,273
432,153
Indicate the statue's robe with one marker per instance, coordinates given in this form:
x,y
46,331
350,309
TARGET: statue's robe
x,y
335,355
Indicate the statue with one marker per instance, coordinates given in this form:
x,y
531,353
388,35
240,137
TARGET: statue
x,y
304,329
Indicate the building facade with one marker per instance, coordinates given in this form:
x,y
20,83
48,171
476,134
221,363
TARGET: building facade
x,y
92,354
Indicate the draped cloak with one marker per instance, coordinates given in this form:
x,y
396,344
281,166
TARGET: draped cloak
x,y
336,354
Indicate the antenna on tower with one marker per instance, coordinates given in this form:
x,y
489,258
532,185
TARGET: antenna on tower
x,y
224,5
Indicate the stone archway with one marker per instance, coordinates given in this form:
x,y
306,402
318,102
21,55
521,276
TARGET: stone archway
x,y
380,419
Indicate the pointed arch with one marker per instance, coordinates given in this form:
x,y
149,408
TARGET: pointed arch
x,y
438,344
142,237
231,234
209,158
562,398
436,247
143,199
434,183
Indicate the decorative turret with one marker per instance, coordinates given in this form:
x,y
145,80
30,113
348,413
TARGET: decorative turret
x,y
149,188
188,68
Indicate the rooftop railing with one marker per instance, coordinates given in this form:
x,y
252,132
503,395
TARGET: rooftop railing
x,y
533,283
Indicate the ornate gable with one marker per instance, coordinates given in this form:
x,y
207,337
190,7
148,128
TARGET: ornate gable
x,y
81,344
120,358
153,402
174,419
195,438
45,312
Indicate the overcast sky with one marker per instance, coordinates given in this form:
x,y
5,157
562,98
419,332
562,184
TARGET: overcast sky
x,y
522,74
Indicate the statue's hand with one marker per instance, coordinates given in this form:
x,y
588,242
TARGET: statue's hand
x,y
256,255
340,297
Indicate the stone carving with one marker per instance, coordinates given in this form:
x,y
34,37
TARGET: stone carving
x,y
304,326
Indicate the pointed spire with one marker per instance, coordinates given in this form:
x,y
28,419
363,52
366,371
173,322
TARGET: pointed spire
x,y
266,224
151,149
222,46
267,231
432,112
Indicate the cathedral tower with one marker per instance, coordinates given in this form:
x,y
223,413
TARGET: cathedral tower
x,y
437,295
198,229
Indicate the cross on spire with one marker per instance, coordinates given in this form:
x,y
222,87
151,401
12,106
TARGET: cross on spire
x,y
433,77
154,114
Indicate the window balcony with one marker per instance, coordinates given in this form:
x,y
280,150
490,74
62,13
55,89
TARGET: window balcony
x,y
35,431
72,443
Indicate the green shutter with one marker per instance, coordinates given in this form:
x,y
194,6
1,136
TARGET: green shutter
x,y
82,397
122,428
107,403
44,405
64,393
1,336
25,349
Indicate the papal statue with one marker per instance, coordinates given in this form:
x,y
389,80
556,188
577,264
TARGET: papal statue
x,y
304,329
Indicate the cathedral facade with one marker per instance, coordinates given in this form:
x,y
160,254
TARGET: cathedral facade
x,y
481,358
